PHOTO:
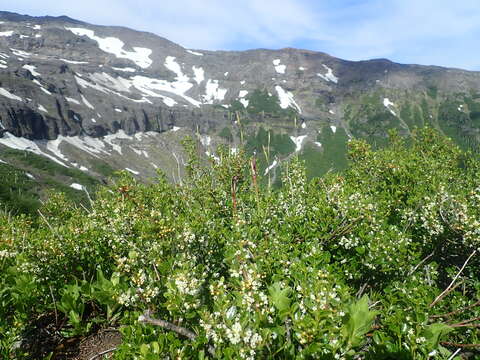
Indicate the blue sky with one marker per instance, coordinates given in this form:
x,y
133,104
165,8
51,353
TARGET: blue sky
x,y
430,32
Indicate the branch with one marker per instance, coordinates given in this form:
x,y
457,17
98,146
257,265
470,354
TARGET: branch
x,y
147,319
462,323
448,289
446,343
456,311
420,263
102,353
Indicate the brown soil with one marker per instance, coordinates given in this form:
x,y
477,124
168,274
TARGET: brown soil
x,y
44,339
96,346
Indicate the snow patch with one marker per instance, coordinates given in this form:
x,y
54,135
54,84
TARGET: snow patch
x,y
9,95
86,102
199,74
279,68
329,75
31,68
205,140
120,134
267,170
168,101
388,104
175,128
112,45
74,62
118,110
42,108
172,65
126,69
6,33
298,140
21,53
244,102
20,143
150,87
132,171
41,87
319,144
30,176
286,99
334,128
301,68
72,100
213,92
194,53
45,91
78,187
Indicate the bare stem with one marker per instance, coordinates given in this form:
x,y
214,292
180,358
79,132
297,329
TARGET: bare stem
x,y
447,290
102,353
420,263
147,319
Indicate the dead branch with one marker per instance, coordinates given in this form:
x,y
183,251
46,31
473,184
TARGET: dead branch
x,y
361,290
147,319
421,263
449,287
446,343
458,311
466,321
102,353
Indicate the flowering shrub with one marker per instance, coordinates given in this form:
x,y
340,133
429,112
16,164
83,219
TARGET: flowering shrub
x,y
378,262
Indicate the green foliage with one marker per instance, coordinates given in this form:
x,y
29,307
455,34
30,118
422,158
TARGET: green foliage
x,y
345,266
17,191
358,321
226,134
22,193
330,155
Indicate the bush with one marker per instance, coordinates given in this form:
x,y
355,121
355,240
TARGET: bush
x,y
340,267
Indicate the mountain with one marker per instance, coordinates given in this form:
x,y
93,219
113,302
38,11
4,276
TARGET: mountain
x,y
90,98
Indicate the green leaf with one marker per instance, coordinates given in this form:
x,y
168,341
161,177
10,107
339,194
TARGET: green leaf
x,y
434,332
280,298
358,322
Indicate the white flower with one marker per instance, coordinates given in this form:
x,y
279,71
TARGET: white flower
x,y
231,312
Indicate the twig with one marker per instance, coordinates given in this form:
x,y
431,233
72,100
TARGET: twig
x,y
361,290
234,195
466,321
455,354
446,343
54,305
48,224
374,304
447,290
147,319
420,263
456,311
102,353
465,325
